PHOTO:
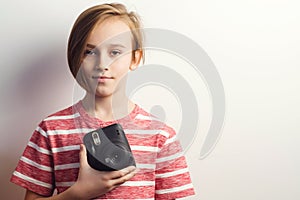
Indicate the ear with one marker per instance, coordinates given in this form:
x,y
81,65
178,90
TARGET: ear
x,y
136,58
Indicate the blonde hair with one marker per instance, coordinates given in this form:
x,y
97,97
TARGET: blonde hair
x,y
86,22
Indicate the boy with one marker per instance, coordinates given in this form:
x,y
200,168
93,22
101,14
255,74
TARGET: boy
x,y
105,43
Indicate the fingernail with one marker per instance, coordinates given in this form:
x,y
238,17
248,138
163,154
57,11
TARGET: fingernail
x,y
131,168
128,169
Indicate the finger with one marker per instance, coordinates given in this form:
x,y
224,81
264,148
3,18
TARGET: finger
x,y
123,179
122,172
82,155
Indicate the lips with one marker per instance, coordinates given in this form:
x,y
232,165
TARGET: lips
x,y
102,79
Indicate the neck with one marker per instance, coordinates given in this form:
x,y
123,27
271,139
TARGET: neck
x,y
107,108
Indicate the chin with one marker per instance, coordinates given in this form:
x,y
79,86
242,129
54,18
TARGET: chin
x,y
106,92
103,94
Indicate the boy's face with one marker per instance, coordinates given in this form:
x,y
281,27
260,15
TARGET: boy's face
x,y
107,58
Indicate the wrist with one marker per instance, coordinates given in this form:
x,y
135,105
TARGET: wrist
x,y
74,192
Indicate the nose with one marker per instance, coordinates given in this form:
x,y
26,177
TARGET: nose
x,y
103,63
101,68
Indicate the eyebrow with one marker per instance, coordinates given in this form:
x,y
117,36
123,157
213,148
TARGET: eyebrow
x,y
91,46
112,45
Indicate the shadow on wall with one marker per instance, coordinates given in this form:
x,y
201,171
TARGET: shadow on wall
x,y
43,87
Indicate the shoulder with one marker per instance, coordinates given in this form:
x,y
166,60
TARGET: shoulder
x,y
61,118
64,113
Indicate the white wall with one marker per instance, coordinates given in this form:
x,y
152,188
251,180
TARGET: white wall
x,y
255,46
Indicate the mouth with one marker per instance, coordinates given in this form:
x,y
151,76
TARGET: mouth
x,y
102,79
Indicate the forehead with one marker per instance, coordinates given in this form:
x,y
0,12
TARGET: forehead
x,y
110,31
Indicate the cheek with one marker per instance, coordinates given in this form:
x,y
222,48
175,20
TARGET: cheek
x,y
88,65
87,68
121,65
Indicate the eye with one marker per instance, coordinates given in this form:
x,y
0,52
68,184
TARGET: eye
x,y
89,52
115,52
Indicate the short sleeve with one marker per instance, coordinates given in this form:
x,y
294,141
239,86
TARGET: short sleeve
x,y
172,178
35,168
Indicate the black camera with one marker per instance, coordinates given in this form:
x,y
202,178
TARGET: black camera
x,y
108,149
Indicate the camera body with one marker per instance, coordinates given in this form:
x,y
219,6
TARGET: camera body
x,y
108,149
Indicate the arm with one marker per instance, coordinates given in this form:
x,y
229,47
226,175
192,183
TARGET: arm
x,y
172,177
90,183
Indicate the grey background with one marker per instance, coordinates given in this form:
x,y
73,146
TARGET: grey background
x,y
255,46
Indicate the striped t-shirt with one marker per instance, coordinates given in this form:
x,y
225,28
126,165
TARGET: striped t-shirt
x,y
51,159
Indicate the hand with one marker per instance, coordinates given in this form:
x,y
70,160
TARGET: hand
x,y
92,183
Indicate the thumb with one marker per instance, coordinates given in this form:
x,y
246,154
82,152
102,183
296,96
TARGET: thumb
x,y
82,155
